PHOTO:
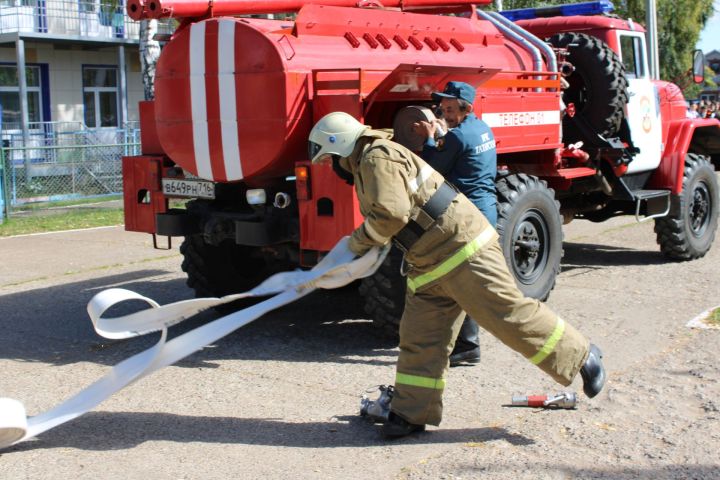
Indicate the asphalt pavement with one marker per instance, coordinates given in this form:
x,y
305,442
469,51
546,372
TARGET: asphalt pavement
x,y
280,397
25,258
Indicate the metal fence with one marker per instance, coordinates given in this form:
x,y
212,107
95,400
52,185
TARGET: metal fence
x,y
64,166
74,18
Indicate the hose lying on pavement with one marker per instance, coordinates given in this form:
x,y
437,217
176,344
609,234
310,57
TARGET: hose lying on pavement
x,y
335,270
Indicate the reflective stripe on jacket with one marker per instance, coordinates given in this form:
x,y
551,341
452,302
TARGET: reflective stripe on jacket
x,y
392,183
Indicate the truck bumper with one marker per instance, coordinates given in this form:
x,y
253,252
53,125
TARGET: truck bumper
x,y
220,226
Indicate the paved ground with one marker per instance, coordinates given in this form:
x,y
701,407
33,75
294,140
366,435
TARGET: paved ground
x,y
279,398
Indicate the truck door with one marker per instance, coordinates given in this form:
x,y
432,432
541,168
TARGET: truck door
x,y
643,109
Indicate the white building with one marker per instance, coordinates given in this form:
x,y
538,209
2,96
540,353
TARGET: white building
x,y
81,64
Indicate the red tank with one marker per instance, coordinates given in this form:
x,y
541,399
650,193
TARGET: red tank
x,y
234,95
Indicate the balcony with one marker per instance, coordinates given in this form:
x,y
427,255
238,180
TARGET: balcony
x,y
68,19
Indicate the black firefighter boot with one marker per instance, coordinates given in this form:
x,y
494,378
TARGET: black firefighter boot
x,y
593,372
396,426
467,345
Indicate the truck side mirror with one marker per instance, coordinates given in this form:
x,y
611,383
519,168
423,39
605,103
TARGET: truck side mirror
x,y
698,69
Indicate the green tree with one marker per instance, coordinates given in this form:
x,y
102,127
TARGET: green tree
x,y
512,4
709,76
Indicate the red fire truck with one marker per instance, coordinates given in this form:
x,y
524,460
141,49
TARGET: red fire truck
x,y
582,131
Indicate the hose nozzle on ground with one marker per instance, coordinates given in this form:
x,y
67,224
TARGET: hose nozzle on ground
x,y
377,410
566,400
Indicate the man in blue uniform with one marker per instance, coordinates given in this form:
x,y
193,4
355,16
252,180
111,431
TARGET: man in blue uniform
x,y
467,158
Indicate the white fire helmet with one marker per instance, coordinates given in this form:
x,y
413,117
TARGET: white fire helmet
x,y
334,134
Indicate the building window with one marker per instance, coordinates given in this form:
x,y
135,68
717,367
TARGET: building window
x,y
100,96
10,97
17,3
631,52
88,6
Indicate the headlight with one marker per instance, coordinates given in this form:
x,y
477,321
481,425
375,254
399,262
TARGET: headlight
x,y
256,196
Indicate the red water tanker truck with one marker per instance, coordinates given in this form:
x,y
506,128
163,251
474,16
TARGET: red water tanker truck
x,y
581,129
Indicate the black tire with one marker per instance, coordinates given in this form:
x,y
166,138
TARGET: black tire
x,y
530,228
688,232
523,201
384,294
598,86
219,270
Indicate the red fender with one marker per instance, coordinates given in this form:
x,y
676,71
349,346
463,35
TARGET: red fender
x,y
669,173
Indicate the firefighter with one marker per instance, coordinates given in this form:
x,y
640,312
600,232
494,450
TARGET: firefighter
x,y
467,158
455,266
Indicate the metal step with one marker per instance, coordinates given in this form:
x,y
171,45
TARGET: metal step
x,y
657,201
645,194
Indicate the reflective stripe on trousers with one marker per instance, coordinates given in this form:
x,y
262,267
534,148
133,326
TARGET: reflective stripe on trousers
x,y
550,344
418,381
456,259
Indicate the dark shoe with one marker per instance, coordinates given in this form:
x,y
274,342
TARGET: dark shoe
x,y
397,426
467,344
593,372
468,356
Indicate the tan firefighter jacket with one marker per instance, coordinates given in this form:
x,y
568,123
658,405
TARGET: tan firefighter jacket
x,y
392,183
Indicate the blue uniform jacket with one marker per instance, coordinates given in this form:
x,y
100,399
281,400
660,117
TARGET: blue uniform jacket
x,y
468,160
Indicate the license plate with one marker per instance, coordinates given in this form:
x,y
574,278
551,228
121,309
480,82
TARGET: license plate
x,y
188,188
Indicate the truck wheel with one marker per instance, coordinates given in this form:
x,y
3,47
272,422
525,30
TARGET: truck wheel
x,y
530,229
528,210
384,294
689,230
598,86
216,271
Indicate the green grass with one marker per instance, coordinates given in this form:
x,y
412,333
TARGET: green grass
x,y
38,206
67,220
55,216
714,317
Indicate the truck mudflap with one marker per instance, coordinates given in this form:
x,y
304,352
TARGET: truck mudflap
x,y
271,232
143,196
176,223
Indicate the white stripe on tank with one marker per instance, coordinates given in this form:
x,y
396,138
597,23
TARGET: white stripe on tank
x,y
228,107
198,101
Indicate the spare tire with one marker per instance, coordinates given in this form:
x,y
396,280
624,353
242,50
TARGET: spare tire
x,y
598,86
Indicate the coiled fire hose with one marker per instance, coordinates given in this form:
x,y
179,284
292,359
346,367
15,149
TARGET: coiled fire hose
x,y
335,270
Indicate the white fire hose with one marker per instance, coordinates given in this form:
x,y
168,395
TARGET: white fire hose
x,y
335,270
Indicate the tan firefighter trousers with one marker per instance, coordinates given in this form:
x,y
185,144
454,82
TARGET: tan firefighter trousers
x,y
484,288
